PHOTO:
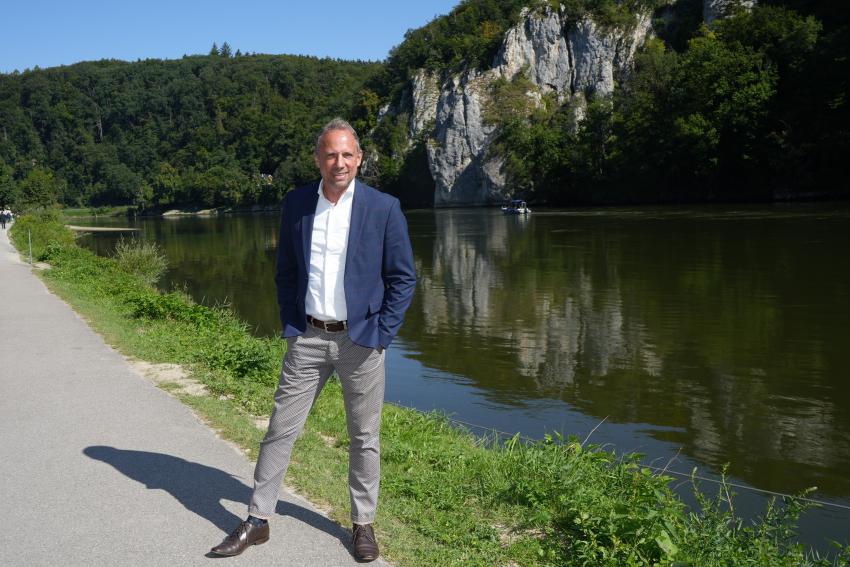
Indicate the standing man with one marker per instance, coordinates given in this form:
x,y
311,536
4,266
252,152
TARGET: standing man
x,y
344,278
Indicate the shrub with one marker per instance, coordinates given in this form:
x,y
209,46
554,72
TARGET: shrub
x,y
174,306
49,235
141,258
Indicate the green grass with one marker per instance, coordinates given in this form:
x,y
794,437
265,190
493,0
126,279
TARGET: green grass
x,y
89,212
447,497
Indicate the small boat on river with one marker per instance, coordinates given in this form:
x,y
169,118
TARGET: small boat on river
x,y
516,207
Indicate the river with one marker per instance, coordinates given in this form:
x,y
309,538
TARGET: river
x,y
697,336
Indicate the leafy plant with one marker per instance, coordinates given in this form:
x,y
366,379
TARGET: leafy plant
x,y
141,258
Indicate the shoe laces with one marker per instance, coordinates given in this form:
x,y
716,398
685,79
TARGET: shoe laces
x,y
242,527
364,531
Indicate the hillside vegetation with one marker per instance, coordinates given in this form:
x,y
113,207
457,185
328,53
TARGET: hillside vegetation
x,y
206,130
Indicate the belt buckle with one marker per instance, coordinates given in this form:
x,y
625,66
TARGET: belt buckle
x,y
326,325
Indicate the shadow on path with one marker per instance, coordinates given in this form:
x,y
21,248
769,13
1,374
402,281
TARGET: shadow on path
x,y
200,488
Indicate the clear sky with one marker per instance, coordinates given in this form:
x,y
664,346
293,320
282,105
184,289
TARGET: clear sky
x,y
61,32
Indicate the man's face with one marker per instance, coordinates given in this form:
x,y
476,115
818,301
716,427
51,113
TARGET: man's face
x,y
338,159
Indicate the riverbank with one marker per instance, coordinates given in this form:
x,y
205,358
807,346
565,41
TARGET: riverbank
x,y
95,212
187,211
447,496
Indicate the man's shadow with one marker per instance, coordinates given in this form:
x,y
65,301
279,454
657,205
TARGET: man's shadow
x,y
200,488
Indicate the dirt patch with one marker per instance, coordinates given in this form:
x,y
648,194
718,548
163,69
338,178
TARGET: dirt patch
x,y
509,535
170,373
329,441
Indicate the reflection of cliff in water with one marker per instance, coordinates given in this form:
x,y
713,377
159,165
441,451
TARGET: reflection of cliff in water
x,y
723,329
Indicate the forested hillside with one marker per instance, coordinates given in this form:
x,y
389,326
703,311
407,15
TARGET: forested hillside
x,y
753,106
204,130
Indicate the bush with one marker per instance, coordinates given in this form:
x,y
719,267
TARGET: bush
x,y
174,306
49,235
141,258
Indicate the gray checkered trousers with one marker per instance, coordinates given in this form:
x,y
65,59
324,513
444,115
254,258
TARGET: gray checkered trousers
x,y
310,360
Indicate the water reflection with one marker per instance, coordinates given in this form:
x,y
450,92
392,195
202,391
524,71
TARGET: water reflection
x,y
725,328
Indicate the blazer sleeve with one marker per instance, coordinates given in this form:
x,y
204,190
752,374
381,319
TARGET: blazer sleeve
x,y
398,274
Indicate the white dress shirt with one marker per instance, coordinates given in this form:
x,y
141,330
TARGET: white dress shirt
x,y
328,248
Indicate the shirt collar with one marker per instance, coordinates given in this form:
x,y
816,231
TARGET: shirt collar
x,y
348,194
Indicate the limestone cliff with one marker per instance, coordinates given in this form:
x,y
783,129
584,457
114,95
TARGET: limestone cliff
x,y
571,59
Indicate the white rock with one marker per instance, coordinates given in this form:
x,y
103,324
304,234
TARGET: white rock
x,y
716,9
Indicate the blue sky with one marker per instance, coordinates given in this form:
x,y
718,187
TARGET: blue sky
x,y
61,32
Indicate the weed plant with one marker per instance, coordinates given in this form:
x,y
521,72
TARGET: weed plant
x,y
141,258
448,497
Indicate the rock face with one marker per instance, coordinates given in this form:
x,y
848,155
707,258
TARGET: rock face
x,y
570,59
425,95
539,45
457,150
716,9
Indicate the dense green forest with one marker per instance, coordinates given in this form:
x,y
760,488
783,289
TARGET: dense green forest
x,y
220,129
754,107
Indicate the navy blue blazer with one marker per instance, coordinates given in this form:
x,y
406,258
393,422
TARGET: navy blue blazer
x,y
379,273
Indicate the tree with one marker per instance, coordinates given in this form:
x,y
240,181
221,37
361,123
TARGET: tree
x,y
8,187
120,185
38,190
166,185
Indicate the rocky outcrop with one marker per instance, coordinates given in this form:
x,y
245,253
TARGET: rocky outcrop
x,y
457,150
716,9
539,46
425,97
569,59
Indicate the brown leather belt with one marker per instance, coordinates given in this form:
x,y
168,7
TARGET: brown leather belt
x,y
328,326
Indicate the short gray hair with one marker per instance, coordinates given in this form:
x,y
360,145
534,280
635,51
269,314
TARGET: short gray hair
x,y
337,124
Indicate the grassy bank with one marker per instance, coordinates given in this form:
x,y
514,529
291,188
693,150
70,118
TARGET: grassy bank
x,y
89,212
447,497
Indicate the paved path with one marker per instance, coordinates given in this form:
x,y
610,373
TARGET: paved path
x,y
100,467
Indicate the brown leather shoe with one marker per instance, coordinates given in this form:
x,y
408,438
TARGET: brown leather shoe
x,y
365,544
245,535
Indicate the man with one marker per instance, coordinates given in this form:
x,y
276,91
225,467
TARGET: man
x,y
344,278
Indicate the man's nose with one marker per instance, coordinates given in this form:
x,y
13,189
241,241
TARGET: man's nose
x,y
339,161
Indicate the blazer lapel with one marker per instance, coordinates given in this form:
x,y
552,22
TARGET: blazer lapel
x,y
307,225
359,206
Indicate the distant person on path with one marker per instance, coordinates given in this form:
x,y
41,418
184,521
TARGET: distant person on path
x,y
345,278
5,217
